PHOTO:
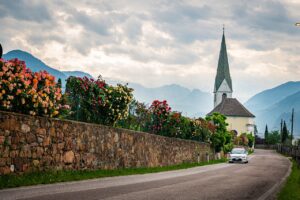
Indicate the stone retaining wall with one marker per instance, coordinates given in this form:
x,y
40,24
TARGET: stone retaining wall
x,y
37,143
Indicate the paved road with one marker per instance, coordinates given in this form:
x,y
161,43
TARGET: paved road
x,y
259,179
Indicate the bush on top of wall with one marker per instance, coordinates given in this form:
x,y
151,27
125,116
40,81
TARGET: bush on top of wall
x,y
24,91
97,102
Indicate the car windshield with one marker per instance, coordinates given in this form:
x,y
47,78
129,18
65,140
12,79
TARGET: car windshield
x,y
238,151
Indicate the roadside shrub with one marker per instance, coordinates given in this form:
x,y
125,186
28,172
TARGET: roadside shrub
x,y
97,102
158,119
159,111
221,139
26,92
138,118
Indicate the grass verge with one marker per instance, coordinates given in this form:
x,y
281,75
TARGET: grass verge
x,y
291,189
47,177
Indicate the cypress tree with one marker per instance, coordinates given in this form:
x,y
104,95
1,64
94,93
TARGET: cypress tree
x,y
266,134
285,133
59,83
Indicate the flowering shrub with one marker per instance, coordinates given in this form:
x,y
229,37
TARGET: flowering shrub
x,y
159,119
138,118
221,139
31,93
160,111
95,101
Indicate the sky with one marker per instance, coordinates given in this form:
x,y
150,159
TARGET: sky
x,y
161,42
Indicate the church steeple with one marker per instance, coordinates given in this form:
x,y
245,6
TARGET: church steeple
x,y
223,83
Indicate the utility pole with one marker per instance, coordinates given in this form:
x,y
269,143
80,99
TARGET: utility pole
x,y
292,125
1,51
281,123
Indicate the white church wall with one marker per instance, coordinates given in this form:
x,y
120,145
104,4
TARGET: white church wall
x,y
240,124
224,88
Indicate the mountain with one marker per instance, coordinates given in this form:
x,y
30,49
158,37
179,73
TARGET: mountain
x,y
193,103
77,74
270,106
33,63
36,64
271,96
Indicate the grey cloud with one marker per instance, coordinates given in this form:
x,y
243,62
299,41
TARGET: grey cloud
x,y
258,25
25,10
264,15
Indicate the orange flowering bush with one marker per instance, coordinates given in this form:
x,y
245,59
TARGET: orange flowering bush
x,y
23,91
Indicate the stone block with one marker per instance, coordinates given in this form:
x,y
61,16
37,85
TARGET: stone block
x,y
36,163
39,152
41,131
2,162
46,141
69,157
2,139
5,170
30,138
25,128
52,132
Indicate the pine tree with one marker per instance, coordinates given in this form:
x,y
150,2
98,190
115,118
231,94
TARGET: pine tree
x,y
266,134
285,133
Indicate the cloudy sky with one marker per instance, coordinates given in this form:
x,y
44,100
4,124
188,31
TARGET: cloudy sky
x,y
161,42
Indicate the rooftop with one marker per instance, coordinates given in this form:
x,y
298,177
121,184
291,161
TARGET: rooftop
x,y
231,107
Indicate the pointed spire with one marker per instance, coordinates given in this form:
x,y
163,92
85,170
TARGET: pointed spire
x,y
223,72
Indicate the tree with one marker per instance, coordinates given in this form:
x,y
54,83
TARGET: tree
x,y
221,139
285,133
250,138
266,134
59,83
274,137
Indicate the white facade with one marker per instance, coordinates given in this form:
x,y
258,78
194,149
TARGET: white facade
x,y
224,89
241,124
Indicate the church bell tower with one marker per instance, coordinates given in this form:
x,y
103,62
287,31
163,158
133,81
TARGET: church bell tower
x,y
223,84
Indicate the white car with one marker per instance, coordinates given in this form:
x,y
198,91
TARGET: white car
x,y
238,155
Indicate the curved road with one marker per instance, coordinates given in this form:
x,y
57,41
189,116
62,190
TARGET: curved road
x,y
259,179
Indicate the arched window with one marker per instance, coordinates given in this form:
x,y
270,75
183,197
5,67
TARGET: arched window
x,y
224,96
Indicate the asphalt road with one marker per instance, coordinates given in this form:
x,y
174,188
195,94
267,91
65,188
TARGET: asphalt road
x,y
259,179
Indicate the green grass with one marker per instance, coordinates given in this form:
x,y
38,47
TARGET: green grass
x,y
291,189
250,152
47,177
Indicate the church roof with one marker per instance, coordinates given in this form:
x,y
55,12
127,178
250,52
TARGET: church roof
x,y
231,107
223,67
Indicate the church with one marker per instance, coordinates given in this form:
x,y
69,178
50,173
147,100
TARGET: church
x,y
239,119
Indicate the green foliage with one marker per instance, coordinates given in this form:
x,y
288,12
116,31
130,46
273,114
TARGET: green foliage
x,y
291,191
251,139
59,84
158,119
284,134
138,117
273,137
221,139
266,134
159,111
24,91
97,102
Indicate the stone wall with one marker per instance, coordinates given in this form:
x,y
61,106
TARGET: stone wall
x,y
36,143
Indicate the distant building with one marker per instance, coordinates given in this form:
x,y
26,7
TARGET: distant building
x,y
239,118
